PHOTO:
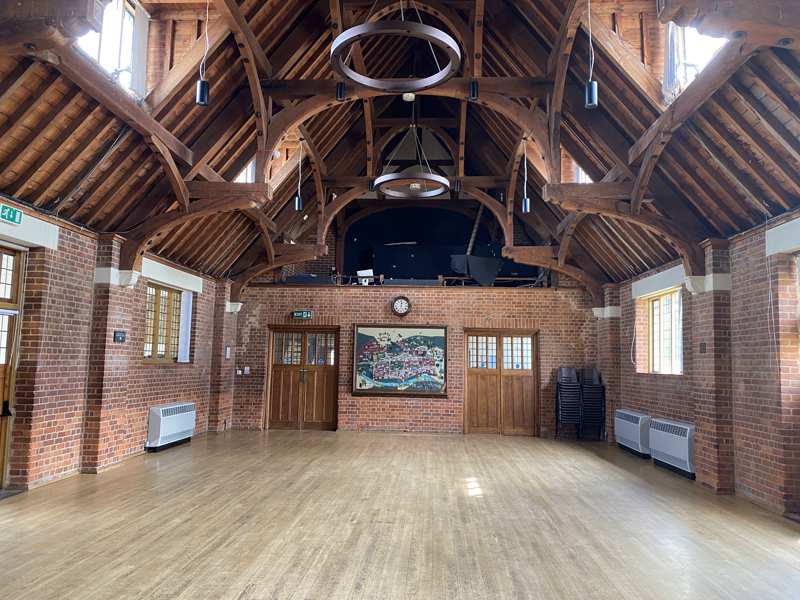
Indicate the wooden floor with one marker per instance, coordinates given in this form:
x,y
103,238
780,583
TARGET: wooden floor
x,y
323,515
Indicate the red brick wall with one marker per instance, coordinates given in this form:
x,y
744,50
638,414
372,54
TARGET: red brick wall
x,y
47,431
82,401
766,384
667,396
563,317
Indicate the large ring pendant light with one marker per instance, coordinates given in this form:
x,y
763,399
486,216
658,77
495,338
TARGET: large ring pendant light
x,y
419,183
341,46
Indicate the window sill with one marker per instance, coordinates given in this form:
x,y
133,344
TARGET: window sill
x,y
164,363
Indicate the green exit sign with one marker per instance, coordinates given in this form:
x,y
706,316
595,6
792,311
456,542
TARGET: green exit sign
x,y
9,214
303,315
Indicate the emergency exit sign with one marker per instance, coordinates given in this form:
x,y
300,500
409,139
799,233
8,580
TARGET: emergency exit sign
x,y
303,315
9,214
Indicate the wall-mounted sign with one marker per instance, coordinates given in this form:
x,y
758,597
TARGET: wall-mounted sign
x,y
9,214
303,315
119,336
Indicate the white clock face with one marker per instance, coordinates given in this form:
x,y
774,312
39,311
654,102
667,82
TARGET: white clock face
x,y
401,306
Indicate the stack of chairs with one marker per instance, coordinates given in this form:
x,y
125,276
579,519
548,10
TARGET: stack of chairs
x,y
593,404
568,399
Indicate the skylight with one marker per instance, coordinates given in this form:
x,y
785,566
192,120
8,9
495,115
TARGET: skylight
x,y
248,174
113,46
688,52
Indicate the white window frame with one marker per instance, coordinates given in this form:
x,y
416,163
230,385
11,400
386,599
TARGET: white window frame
x,y
663,306
138,59
248,174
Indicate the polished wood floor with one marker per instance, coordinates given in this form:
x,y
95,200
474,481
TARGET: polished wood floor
x,y
324,515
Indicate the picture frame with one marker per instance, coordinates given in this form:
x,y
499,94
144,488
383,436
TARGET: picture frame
x,y
399,360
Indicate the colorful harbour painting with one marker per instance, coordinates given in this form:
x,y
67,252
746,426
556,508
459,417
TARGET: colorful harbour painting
x,y
400,360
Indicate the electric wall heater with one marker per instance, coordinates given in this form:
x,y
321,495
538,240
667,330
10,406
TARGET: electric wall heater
x,y
632,430
169,424
672,444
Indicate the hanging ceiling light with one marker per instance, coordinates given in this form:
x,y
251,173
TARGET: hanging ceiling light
x,y
591,97
201,92
526,202
341,50
417,181
298,199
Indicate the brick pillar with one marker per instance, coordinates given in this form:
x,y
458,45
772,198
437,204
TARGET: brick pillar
x,y
711,372
106,417
786,299
609,352
220,411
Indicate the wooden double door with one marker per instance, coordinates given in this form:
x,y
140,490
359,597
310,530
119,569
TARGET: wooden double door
x,y
502,393
304,380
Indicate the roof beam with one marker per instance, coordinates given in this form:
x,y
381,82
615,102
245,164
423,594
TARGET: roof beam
x,y
478,181
510,87
300,253
139,239
174,177
245,38
93,81
769,21
613,200
558,68
646,151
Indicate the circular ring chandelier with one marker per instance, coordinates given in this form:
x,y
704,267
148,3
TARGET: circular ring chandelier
x,y
412,184
340,53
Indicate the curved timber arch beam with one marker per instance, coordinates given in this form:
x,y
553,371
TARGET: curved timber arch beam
x,y
612,200
457,27
303,254
445,138
354,193
542,256
532,122
141,238
410,204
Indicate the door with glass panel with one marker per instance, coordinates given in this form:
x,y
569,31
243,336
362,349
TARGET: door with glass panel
x,y
517,389
483,384
502,389
303,383
10,269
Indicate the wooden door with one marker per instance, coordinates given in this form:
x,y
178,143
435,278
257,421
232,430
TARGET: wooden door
x,y
10,269
319,382
502,388
483,385
518,391
304,380
285,385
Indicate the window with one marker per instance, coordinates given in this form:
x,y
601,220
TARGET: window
x,y
666,332
482,352
320,349
687,54
248,174
288,348
581,176
517,353
162,323
120,46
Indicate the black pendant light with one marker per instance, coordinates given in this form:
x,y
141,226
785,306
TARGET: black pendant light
x,y
591,99
298,199
526,202
201,91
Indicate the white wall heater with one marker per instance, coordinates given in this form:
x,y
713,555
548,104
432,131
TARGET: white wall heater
x,y
632,430
672,443
169,423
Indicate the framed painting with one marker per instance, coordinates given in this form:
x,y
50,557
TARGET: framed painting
x,y
400,360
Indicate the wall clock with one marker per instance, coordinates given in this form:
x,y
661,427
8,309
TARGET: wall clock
x,y
401,306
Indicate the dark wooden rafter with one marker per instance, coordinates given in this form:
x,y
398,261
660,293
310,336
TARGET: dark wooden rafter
x,y
558,68
613,200
569,225
139,239
299,253
171,171
533,122
646,151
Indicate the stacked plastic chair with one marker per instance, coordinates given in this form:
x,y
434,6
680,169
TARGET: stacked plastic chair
x,y
568,399
593,403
